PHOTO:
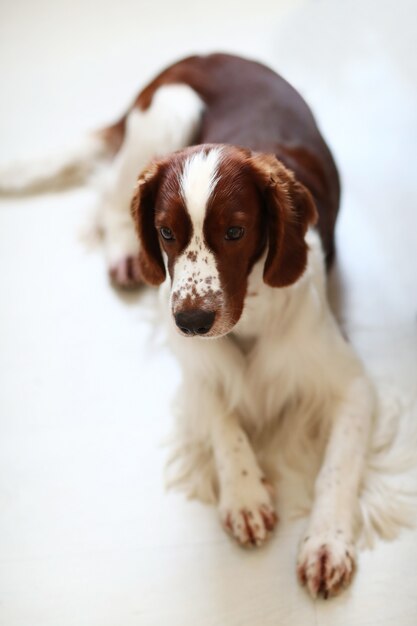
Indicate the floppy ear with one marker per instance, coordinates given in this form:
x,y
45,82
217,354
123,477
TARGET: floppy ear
x,y
143,211
290,210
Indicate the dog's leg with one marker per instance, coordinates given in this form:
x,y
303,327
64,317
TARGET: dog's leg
x,y
326,560
246,504
170,123
213,377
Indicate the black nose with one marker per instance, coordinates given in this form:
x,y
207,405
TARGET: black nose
x,y
194,321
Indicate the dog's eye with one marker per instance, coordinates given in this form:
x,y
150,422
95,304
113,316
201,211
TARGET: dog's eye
x,y
234,232
166,233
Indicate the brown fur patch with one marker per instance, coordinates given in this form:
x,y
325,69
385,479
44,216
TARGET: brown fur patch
x,y
272,118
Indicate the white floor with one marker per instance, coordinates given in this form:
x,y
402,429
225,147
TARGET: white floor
x,y
88,536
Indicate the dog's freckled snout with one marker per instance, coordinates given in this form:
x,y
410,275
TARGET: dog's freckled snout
x,y
195,321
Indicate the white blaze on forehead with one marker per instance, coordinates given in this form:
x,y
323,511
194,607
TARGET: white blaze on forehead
x,y
198,180
195,273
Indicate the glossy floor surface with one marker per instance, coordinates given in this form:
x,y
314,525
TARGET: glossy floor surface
x,y
88,536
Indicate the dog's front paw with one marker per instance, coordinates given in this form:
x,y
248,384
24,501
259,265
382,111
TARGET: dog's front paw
x,y
326,563
125,273
248,514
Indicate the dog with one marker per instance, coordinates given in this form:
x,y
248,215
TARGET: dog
x,y
234,213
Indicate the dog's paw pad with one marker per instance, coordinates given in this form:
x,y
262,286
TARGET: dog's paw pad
x,y
326,564
126,274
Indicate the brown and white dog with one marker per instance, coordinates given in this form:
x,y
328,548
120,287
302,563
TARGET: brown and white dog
x,y
235,209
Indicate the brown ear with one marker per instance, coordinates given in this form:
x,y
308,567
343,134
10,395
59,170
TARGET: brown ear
x,y
143,211
290,209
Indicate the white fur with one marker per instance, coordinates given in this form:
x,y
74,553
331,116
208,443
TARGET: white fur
x,y
198,180
246,505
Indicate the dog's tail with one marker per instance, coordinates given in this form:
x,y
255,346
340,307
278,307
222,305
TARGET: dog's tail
x,y
70,168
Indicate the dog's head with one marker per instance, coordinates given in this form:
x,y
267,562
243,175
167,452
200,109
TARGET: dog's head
x,y
206,214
